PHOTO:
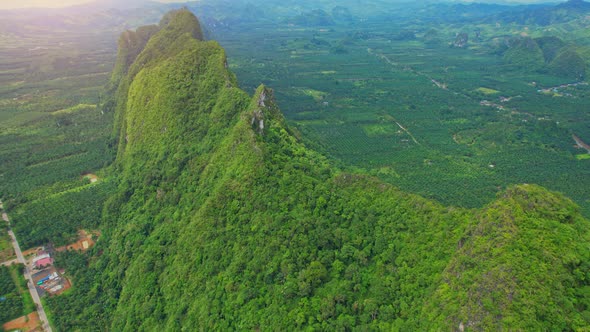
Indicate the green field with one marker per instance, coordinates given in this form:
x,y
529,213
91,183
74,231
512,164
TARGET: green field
x,y
53,131
472,123
15,300
6,251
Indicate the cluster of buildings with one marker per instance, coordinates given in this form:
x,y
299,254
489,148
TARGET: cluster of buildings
x,y
45,276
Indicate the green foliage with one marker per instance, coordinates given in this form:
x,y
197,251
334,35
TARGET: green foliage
x,y
224,220
12,299
568,63
53,129
182,21
100,296
466,152
524,250
432,37
56,219
551,46
524,52
131,43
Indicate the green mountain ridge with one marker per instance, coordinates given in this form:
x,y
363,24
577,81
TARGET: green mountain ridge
x,y
545,54
224,220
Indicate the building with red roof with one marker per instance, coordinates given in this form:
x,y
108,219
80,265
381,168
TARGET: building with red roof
x,y
44,262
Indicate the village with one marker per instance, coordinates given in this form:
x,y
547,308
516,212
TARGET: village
x,y
555,90
40,261
43,277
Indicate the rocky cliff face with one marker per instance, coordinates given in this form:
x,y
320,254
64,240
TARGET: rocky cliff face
x,y
461,40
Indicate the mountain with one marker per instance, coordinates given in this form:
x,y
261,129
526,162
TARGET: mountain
x,y
524,52
574,5
224,220
317,17
545,54
543,14
568,63
547,14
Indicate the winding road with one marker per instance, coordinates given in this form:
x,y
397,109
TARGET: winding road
x,y
21,259
581,143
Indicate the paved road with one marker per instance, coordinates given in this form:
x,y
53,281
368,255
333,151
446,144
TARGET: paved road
x,y
30,283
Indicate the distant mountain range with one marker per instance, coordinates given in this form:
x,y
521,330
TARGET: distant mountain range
x,y
223,14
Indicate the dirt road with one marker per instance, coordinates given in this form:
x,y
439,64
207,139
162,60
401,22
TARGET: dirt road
x,y
581,143
30,283
10,262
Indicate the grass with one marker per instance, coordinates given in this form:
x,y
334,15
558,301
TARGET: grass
x,y
77,108
381,130
583,156
315,94
487,91
6,251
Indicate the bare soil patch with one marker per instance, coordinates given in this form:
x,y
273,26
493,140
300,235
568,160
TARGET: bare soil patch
x,y
91,177
26,323
85,241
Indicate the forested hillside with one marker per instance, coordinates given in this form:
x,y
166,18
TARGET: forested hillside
x,y
224,220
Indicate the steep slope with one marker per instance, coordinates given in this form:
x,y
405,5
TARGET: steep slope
x,y
568,63
223,220
524,258
524,52
550,46
545,54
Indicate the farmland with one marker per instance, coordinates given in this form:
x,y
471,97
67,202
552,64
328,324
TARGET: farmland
x,y
52,131
453,124
15,300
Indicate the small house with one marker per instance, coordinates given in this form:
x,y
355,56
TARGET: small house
x,y
43,262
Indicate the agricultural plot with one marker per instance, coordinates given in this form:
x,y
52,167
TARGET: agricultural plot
x,y
51,128
15,300
57,218
6,250
456,125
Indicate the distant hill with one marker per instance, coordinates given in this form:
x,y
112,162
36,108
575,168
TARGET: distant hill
x,y
317,17
490,13
525,53
547,14
545,54
568,63
574,5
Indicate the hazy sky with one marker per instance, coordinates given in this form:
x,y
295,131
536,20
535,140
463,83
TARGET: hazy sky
x,y
9,4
